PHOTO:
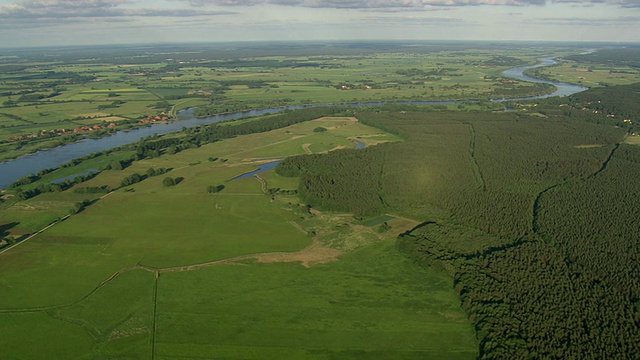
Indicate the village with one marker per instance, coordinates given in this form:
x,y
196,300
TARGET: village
x,y
88,128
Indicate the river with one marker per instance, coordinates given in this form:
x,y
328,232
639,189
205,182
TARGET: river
x,y
12,170
562,89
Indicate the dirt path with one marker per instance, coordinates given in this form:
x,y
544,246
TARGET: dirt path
x,y
316,253
263,183
306,148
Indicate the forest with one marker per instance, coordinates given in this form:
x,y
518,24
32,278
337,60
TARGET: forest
x,y
532,211
627,56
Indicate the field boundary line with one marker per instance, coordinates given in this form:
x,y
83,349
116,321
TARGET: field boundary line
x,y
155,314
263,183
35,234
102,284
48,226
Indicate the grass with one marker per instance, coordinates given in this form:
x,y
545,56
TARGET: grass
x,y
39,336
635,140
598,76
373,303
88,282
86,286
377,220
115,321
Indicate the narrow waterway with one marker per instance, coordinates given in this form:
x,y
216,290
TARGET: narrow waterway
x,y
12,170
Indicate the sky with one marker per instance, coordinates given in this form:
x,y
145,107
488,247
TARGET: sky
x,y
95,22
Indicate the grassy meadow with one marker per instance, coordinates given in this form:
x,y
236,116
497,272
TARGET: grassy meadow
x,y
167,272
590,75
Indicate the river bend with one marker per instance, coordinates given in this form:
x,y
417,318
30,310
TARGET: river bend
x,y
12,170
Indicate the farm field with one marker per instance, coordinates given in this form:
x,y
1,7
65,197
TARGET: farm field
x,y
634,140
591,75
144,269
41,100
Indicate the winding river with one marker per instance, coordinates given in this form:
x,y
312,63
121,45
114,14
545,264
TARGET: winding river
x,y
562,89
12,170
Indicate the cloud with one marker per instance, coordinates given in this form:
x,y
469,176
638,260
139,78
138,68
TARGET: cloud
x,y
67,9
400,4
365,4
621,3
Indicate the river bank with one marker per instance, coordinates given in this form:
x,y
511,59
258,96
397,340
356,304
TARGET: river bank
x,y
25,165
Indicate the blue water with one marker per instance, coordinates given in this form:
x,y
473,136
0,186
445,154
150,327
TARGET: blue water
x,y
71,177
562,89
12,170
359,144
261,168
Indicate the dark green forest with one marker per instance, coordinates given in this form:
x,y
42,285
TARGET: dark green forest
x,y
627,56
534,213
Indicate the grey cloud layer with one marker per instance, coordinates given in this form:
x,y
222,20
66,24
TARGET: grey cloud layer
x,y
365,4
61,9
407,4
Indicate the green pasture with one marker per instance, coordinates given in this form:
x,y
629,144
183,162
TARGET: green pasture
x,y
170,91
377,220
114,321
592,76
36,213
8,122
635,140
153,229
90,277
373,303
40,336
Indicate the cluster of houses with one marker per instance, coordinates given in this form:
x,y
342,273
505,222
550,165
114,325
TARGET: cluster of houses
x,y
83,129
352,87
152,119
60,132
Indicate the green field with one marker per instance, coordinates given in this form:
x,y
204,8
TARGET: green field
x,y
154,271
373,303
591,75
634,140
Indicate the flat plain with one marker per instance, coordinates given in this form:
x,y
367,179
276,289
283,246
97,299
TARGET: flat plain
x,y
155,271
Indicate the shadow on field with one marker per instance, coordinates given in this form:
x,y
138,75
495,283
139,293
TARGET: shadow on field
x,y
4,228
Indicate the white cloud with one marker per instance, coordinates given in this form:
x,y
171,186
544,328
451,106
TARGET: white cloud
x,y
402,4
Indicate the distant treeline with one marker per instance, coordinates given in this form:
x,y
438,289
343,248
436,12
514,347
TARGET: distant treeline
x,y
627,56
240,63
